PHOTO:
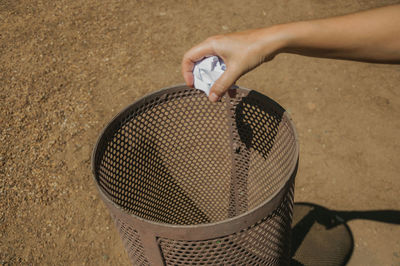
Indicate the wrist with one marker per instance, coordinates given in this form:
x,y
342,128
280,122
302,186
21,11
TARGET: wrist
x,y
275,39
289,36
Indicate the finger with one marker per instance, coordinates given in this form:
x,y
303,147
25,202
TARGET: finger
x,y
193,55
221,85
200,51
187,72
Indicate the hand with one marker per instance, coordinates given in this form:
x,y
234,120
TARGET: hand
x,y
369,36
241,52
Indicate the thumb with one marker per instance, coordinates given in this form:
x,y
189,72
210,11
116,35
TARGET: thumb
x,y
221,85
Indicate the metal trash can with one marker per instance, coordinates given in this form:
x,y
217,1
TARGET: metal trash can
x,y
190,182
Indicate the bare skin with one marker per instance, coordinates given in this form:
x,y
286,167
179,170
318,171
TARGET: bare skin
x,y
368,36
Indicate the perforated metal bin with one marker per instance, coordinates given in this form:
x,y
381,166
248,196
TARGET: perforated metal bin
x,y
190,182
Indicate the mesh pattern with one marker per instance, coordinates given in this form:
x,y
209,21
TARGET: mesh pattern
x,y
265,243
170,166
178,159
264,149
170,159
132,243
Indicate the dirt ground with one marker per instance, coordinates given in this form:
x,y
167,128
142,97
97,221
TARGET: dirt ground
x,y
67,67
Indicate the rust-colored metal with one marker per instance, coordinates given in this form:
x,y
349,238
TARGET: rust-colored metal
x,y
190,182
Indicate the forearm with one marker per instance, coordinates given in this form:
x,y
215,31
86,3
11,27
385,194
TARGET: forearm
x,y
371,36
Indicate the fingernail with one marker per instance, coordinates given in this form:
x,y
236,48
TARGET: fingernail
x,y
214,97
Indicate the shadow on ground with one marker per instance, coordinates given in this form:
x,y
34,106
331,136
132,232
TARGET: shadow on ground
x,y
322,237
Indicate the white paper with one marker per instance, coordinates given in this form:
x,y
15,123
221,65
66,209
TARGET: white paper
x,y
206,72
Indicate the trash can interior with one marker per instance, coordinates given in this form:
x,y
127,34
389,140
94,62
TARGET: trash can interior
x,y
174,157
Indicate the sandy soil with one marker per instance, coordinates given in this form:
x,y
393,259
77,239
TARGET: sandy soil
x,y
67,67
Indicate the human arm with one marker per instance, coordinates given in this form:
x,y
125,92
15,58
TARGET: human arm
x,y
369,36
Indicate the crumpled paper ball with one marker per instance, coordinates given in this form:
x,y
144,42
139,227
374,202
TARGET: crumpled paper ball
x,y
207,71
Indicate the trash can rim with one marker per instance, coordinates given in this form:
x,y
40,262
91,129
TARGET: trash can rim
x,y
236,222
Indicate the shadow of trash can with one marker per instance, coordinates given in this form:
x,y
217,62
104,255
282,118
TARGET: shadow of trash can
x,y
190,182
